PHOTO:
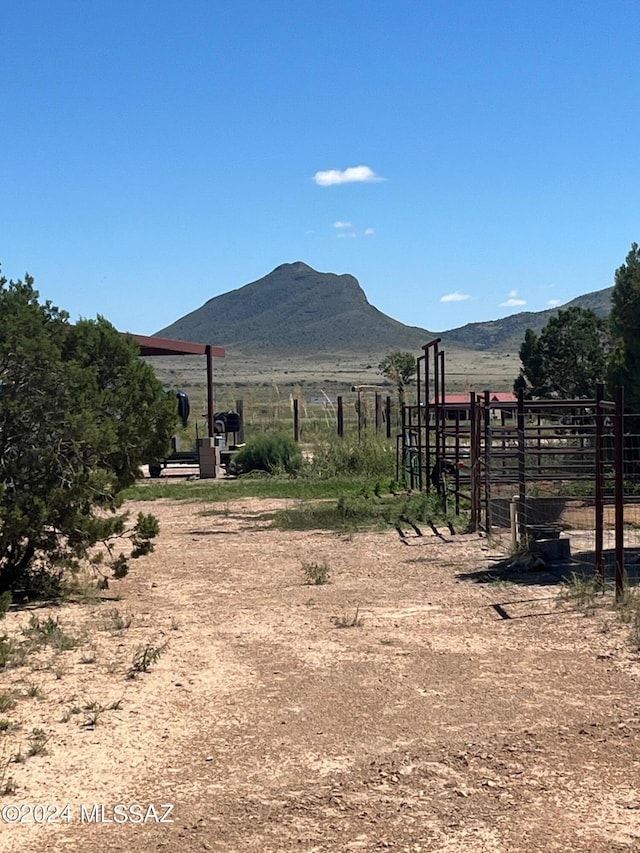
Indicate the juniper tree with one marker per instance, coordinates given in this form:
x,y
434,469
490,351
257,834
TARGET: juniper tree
x,y
568,358
79,412
624,368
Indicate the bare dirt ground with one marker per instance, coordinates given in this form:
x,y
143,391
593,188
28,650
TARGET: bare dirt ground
x,y
436,725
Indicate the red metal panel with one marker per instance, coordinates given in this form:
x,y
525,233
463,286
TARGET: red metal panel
x,y
164,346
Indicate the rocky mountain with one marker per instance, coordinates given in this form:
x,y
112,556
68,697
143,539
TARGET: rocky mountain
x,y
296,309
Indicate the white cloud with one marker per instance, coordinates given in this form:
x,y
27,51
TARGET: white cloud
x,y
513,301
456,296
553,303
354,174
346,229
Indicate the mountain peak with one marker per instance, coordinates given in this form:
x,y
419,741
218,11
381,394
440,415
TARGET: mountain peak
x,y
295,267
296,309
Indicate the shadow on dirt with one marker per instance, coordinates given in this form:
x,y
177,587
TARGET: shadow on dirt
x,y
513,570
213,532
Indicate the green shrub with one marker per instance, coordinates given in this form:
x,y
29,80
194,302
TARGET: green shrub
x,y
370,457
145,658
275,453
49,633
7,648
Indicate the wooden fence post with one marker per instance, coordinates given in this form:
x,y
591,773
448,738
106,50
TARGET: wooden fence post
x,y
296,421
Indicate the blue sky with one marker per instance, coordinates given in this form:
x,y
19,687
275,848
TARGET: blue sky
x,y
464,160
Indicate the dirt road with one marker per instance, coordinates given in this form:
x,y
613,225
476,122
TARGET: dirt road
x,y
439,722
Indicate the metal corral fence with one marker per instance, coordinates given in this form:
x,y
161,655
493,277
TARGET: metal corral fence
x,y
553,466
537,469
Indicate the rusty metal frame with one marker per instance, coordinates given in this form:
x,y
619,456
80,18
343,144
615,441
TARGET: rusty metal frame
x,y
152,346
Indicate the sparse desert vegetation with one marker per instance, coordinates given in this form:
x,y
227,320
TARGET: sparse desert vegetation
x,y
379,710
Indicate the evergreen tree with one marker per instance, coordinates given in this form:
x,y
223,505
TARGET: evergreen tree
x,y
569,357
624,368
79,412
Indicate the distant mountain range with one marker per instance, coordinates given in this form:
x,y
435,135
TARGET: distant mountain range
x,y
508,333
296,309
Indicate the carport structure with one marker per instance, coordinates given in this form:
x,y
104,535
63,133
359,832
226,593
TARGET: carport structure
x,y
150,346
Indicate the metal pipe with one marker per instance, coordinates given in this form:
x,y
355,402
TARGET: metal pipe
x,y
599,483
473,460
522,481
513,518
421,429
210,398
487,457
619,490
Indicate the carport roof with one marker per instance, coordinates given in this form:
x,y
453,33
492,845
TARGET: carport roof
x,y
164,346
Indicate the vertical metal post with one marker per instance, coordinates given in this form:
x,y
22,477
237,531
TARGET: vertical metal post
x,y
619,490
443,397
378,414
539,442
599,483
210,398
427,419
487,458
473,461
513,519
429,406
419,361
340,418
404,443
436,403
387,412
296,421
457,452
522,482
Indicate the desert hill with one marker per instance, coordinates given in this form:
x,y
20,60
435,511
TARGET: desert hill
x,y
508,333
298,310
